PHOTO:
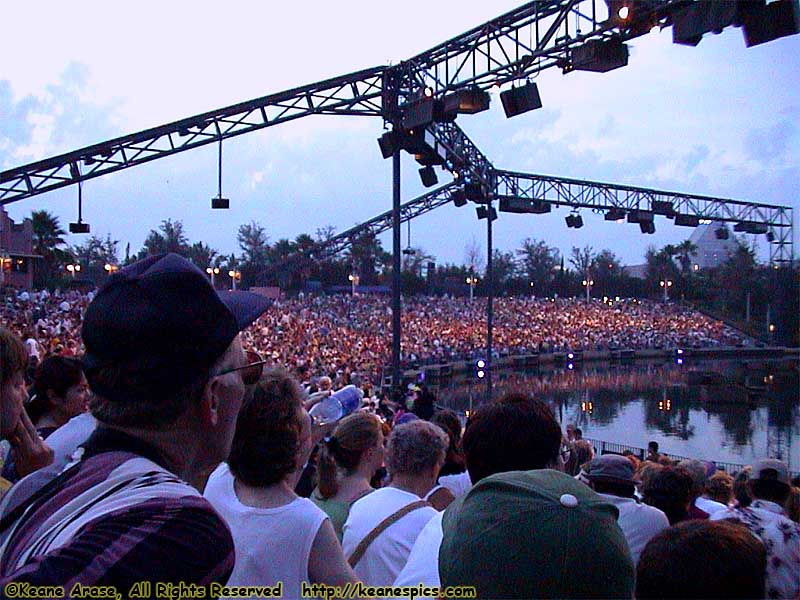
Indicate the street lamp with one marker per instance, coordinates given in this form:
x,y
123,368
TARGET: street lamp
x,y
73,269
353,283
235,276
588,283
109,268
666,284
212,272
472,282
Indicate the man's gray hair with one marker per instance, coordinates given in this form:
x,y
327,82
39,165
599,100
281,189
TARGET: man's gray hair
x,y
415,447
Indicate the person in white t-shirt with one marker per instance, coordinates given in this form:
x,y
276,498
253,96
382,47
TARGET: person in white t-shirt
x,y
415,453
278,536
517,433
612,477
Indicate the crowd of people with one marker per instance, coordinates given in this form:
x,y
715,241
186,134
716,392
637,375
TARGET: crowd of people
x,y
341,335
199,467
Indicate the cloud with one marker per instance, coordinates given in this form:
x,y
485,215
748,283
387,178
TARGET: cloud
x,y
770,144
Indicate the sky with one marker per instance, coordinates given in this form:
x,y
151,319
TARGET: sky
x,y
718,119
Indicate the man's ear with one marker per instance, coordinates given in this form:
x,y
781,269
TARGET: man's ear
x,y
210,403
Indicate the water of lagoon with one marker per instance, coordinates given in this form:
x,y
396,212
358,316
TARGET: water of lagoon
x,y
754,413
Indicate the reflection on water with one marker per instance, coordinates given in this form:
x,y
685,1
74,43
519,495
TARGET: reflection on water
x,y
747,410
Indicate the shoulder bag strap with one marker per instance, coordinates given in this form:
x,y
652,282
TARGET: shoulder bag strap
x,y
383,526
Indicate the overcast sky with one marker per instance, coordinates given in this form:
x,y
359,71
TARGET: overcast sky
x,y
719,119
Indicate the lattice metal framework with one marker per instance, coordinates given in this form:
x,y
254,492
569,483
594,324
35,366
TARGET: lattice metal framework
x,y
520,43
595,195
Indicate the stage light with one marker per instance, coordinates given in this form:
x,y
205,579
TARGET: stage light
x,y
615,214
418,114
663,207
524,206
220,203
686,220
428,92
79,227
484,212
599,56
764,23
465,102
699,18
428,176
458,197
647,227
474,192
575,221
640,216
389,144
521,99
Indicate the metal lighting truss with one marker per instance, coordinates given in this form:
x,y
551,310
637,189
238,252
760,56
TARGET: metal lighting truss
x,y
517,44
514,46
594,195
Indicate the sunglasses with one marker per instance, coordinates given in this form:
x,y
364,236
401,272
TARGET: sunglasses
x,y
251,372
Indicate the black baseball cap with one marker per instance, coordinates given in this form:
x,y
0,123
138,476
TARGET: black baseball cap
x,y
161,321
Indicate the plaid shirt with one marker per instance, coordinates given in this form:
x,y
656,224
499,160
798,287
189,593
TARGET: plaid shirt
x,y
116,518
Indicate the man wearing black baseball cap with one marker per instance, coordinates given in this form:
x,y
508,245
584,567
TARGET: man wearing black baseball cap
x,y
165,363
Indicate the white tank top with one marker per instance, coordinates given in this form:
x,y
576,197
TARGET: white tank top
x,y
272,544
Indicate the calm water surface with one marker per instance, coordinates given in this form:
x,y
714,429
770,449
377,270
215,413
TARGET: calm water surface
x,y
750,410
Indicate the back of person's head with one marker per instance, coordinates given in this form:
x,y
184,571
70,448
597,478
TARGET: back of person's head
x,y
53,377
669,490
652,447
578,433
515,433
535,534
13,356
354,436
769,480
702,559
719,487
155,334
415,448
267,439
697,471
448,420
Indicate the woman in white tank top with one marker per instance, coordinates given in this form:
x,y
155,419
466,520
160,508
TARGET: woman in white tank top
x,y
278,536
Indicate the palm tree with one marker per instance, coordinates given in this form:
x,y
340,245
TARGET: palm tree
x,y
684,253
47,242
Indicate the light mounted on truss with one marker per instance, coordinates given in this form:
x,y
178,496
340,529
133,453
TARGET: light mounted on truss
x,y
79,226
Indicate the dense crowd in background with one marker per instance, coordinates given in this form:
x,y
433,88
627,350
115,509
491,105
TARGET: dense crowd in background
x,y
169,454
341,335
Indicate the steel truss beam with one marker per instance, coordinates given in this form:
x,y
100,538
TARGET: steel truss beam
x,y
518,44
603,196
354,94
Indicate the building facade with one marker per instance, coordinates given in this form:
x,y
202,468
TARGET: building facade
x,y
16,252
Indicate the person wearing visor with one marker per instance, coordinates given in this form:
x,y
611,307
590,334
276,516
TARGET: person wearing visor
x,y
168,373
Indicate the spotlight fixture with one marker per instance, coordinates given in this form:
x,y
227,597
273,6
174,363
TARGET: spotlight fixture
x,y
663,207
388,144
687,220
640,216
599,56
220,203
614,214
521,99
474,192
459,198
79,227
647,227
484,212
464,102
428,176
524,206
575,221
418,114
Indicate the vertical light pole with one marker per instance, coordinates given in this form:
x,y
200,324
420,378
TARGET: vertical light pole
x,y
588,283
471,281
354,279
235,276
666,284
213,272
